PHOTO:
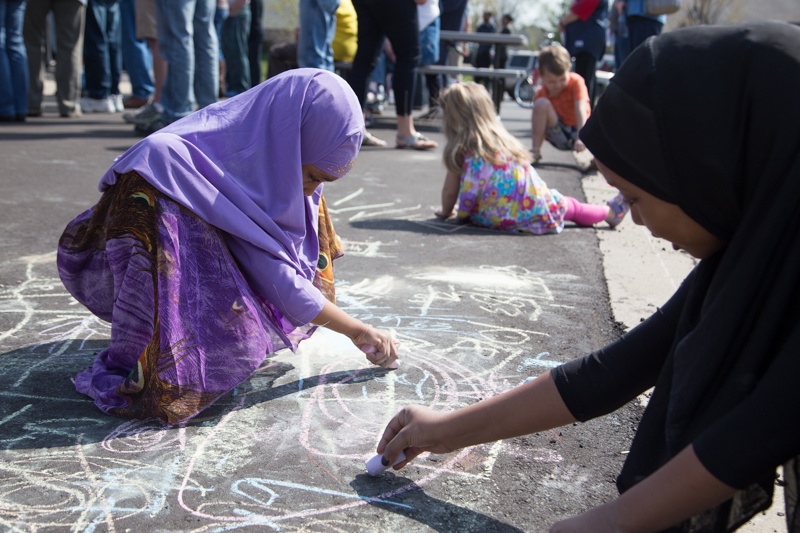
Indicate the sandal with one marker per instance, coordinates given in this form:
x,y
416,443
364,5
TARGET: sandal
x,y
417,141
370,140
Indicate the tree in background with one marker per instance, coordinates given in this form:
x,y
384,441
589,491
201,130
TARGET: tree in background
x,y
704,12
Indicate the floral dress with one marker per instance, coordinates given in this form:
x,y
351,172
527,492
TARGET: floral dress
x,y
509,196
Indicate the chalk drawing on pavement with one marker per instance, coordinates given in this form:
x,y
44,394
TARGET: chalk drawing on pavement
x,y
307,444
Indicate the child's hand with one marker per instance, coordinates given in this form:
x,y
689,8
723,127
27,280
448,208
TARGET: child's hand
x,y
579,146
379,347
442,215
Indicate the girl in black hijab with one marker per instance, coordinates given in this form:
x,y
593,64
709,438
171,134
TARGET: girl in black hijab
x,y
699,131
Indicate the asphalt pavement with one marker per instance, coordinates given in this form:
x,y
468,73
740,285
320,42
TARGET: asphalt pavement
x,y
476,311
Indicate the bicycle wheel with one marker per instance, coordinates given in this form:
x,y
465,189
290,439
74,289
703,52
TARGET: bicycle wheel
x,y
523,92
524,89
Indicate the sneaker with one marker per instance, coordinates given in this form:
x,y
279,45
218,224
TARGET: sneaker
x,y
619,208
535,157
119,104
146,115
146,129
98,105
72,113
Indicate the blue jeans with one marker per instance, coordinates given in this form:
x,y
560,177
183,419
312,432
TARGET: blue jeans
x,y
317,27
102,57
235,32
220,15
188,41
136,57
13,60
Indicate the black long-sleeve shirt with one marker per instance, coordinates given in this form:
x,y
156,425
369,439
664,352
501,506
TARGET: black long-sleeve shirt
x,y
752,438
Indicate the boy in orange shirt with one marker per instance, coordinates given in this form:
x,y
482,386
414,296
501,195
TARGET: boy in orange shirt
x,y
561,105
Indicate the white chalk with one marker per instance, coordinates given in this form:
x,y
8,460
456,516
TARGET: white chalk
x,y
375,466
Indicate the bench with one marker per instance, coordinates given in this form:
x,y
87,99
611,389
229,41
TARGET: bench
x,y
497,75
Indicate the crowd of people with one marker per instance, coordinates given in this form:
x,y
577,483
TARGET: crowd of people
x,y
238,171
179,56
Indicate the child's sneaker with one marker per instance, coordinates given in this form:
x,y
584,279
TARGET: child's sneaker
x,y
619,208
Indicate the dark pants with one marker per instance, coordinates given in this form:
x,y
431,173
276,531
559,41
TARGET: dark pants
x,y
450,19
255,41
397,20
640,28
235,31
585,66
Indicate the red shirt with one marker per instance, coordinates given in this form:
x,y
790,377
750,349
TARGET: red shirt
x,y
584,8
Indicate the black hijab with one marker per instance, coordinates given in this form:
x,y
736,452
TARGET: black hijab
x,y
708,118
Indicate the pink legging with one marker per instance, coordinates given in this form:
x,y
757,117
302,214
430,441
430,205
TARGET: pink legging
x,y
584,214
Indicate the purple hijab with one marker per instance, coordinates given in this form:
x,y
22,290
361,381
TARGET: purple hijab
x,y
237,165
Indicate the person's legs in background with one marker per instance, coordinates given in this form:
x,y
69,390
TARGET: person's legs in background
x,y
451,18
370,44
136,57
586,66
235,31
13,63
114,29
640,28
255,41
175,35
34,34
206,53
399,20
220,15
429,55
148,117
101,57
317,27
70,16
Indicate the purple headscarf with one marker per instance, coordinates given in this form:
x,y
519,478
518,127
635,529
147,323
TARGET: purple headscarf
x,y
237,165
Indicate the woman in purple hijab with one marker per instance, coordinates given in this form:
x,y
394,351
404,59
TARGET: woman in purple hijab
x,y
211,248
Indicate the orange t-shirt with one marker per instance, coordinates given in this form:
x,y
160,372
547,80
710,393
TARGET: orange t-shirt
x,y
564,103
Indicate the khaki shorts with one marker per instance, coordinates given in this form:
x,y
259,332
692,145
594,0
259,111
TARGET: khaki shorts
x,y
146,24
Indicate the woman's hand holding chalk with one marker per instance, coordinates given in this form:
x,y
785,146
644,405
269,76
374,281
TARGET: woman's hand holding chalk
x,y
375,466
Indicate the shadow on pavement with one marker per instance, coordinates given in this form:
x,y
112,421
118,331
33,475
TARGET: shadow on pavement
x,y
39,407
409,500
36,134
431,226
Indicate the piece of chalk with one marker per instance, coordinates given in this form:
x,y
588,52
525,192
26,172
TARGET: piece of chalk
x,y
375,466
368,348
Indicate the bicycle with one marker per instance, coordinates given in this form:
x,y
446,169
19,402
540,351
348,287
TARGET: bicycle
x,y
526,86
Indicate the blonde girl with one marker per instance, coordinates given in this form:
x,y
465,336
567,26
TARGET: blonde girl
x,y
491,179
